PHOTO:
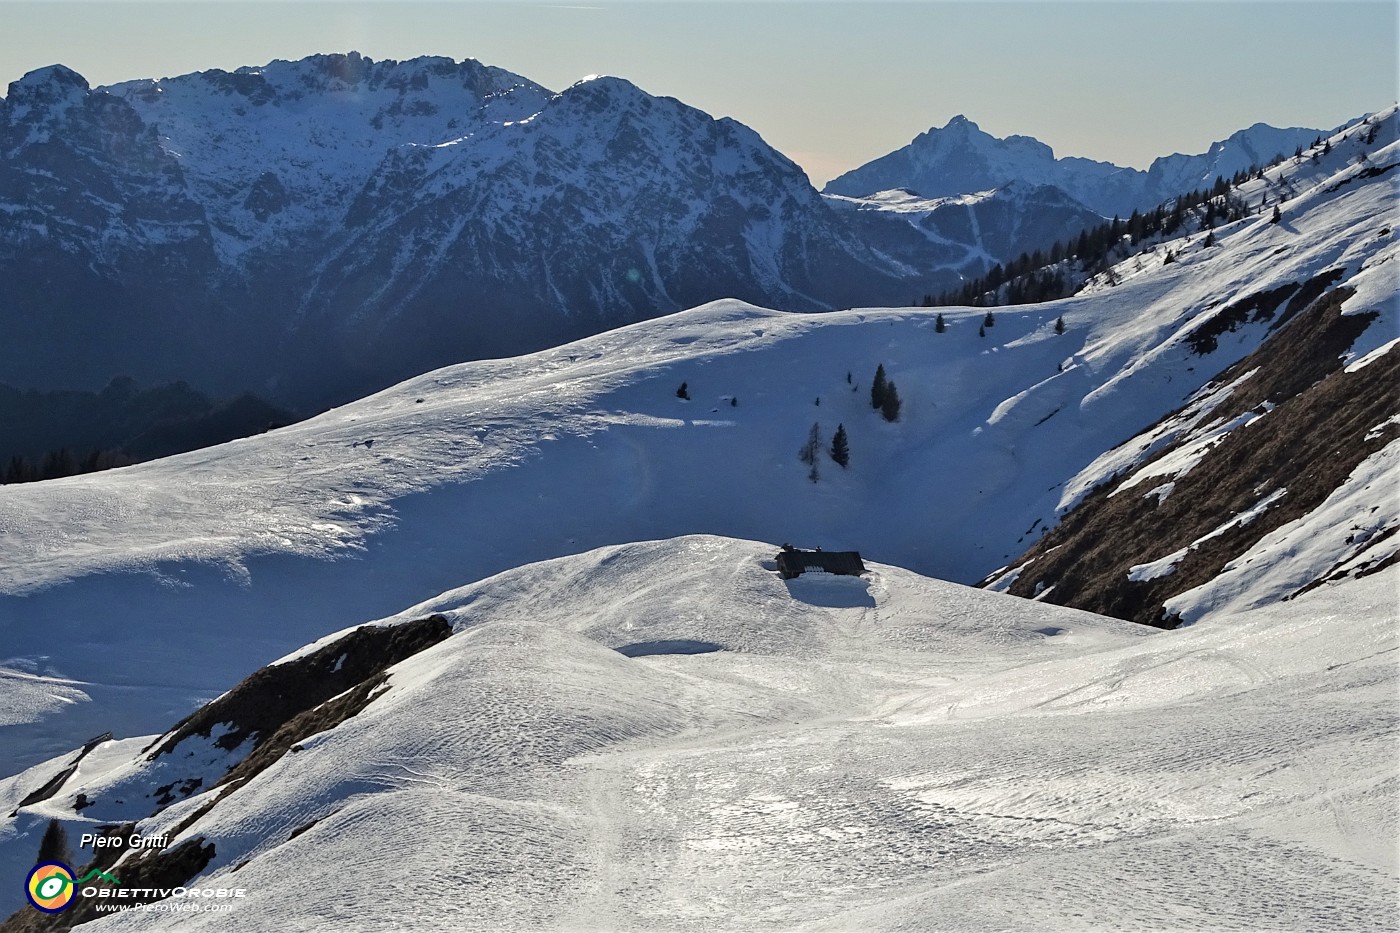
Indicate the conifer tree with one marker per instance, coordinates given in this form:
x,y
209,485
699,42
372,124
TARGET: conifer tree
x,y
840,446
877,387
891,405
683,391
938,325
1276,216
989,320
808,453
1060,324
54,846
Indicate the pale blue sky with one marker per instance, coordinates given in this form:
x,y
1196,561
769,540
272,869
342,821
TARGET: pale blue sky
x,y
831,84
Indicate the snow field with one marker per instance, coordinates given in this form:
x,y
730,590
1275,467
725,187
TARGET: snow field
x,y
886,753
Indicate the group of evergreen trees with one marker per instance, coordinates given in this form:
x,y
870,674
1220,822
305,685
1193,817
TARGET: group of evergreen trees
x,y
59,463
48,435
1044,275
839,451
884,396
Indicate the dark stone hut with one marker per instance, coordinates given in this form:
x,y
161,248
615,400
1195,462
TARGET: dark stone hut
x,y
793,562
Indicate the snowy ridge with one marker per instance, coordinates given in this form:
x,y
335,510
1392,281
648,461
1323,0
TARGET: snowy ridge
x,y
1277,476
275,152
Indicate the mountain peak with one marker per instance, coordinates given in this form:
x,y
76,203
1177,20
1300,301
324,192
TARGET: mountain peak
x,y
47,84
600,85
960,122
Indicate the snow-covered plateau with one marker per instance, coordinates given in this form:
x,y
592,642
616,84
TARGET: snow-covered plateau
x,y
666,735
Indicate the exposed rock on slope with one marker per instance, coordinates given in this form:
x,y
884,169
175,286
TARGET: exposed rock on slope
x,y
1269,443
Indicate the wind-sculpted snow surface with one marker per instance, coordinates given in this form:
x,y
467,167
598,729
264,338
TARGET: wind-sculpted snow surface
x,y
167,582
883,752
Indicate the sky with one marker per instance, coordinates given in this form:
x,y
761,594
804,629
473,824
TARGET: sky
x,y
830,84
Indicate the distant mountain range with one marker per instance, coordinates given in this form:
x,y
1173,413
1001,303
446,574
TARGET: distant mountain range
x,y
962,158
318,229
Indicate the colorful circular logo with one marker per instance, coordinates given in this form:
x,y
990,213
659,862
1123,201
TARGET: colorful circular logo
x,y
50,887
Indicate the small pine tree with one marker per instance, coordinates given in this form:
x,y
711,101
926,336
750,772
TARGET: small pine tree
x,y
818,402
938,325
734,402
54,846
989,320
683,391
1210,240
840,446
891,405
1169,258
877,388
808,453
1276,217
1060,324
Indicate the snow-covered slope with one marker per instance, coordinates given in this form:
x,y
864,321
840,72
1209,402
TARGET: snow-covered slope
x,y
1278,474
1257,145
970,232
960,158
666,735
478,468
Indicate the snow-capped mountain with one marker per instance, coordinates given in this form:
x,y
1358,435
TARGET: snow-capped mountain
x,y
274,153
478,468
665,734
969,232
102,246
309,229
960,158
605,207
